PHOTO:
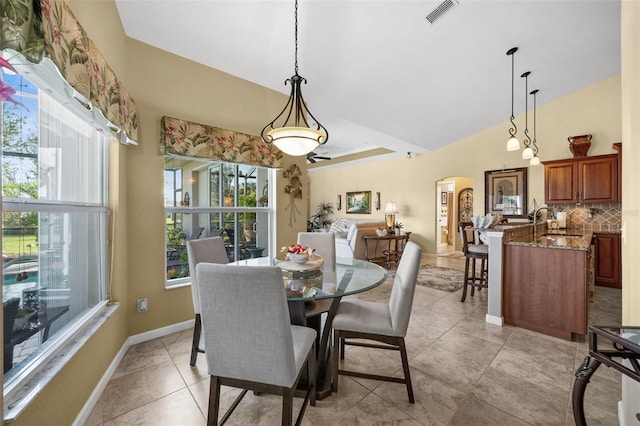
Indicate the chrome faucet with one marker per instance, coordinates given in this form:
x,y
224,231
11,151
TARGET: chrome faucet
x,y
535,218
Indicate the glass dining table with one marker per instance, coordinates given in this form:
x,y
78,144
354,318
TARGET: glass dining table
x,y
313,291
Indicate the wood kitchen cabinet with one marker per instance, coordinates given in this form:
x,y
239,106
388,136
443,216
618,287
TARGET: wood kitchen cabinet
x,y
582,180
608,260
546,289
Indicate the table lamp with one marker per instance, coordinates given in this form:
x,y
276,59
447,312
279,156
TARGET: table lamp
x,y
390,212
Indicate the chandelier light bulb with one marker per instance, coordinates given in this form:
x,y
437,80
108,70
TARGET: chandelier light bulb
x,y
527,153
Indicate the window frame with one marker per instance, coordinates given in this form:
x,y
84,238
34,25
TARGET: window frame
x,y
175,211
18,390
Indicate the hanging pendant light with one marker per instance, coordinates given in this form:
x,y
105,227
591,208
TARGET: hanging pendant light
x,y
513,144
527,152
295,131
534,161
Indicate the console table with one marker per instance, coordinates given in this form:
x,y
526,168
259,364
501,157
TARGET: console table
x,y
390,254
605,344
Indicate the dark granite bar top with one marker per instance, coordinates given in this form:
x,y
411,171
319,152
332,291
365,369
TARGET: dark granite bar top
x,y
567,239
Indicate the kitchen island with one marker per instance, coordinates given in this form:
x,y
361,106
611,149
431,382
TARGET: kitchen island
x,y
546,279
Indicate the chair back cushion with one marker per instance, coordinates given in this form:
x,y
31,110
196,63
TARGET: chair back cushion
x,y
325,245
404,286
209,250
245,322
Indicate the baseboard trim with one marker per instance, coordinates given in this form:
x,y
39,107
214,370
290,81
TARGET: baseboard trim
x,y
86,410
492,319
620,414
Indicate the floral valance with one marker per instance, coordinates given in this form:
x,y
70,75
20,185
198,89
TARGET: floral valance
x,y
180,137
48,28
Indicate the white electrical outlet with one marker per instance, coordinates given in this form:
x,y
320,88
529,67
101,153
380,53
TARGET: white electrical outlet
x,y
142,305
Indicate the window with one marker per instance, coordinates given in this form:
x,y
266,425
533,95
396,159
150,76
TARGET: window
x,y
212,198
54,222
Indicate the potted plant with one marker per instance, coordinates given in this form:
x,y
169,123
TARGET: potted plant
x,y
320,218
398,227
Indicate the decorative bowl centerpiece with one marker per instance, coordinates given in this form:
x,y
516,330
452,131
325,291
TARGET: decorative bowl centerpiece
x,y
298,253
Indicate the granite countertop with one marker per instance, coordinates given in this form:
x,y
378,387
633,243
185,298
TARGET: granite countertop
x,y
568,239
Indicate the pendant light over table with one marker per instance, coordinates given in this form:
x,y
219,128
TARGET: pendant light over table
x,y
295,131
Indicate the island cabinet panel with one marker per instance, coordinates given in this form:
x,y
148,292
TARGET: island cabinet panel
x,y
608,260
582,180
546,290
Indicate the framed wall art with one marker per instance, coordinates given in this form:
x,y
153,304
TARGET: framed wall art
x,y
506,192
359,202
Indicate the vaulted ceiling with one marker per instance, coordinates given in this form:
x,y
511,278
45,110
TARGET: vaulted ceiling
x,y
379,74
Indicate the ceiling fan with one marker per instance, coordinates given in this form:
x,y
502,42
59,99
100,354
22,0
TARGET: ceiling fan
x,y
312,157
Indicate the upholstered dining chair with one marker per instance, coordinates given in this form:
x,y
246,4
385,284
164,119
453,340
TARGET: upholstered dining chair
x,y
325,245
210,250
385,323
248,337
473,251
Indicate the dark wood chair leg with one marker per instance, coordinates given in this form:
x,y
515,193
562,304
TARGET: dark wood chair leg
x,y
473,276
214,401
287,407
466,279
405,367
197,330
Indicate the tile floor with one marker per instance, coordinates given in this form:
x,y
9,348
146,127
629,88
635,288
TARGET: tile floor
x,y
464,371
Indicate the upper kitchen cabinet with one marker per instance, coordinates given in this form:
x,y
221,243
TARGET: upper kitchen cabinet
x,y
582,180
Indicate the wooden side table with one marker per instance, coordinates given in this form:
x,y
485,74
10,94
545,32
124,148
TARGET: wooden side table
x,y
390,254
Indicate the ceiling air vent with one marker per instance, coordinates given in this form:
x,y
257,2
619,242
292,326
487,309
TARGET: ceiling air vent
x,y
440,10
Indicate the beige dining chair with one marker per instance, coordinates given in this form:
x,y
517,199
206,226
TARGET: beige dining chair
x,y
209,250
248,337
385,323
325,245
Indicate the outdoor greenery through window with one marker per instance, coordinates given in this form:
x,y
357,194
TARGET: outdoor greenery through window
x,y
206,198
54,222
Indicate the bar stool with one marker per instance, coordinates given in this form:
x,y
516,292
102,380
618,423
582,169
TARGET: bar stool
x,y
473,250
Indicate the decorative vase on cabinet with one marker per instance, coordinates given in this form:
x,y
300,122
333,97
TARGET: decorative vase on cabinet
x,y
579,145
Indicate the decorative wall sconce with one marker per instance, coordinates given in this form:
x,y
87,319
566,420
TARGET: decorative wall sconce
x,y
339,203
377,202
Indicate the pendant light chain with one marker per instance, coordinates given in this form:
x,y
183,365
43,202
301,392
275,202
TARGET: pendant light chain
x,y
534,144
295,14
512,144
295,131
527,140
512,97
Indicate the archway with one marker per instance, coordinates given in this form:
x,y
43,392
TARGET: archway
x,y
454,201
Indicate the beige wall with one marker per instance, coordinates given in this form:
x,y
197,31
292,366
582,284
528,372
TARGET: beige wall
x,y
411,183
630,179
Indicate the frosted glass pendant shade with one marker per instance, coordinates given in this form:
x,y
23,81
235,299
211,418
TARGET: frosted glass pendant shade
x,y
296,141
527,153
513,144
534,161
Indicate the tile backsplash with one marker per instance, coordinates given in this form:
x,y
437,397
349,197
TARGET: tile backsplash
x,y
604,217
